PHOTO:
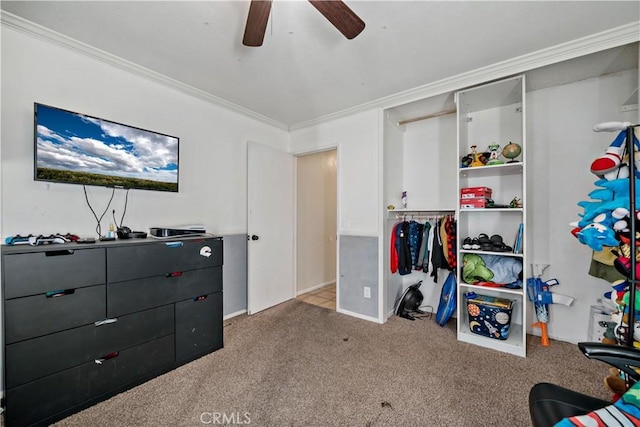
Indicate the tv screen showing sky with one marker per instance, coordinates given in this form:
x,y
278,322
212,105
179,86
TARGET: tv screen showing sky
x,y
77,143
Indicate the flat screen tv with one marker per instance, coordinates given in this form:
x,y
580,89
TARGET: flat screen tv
x,y
76,148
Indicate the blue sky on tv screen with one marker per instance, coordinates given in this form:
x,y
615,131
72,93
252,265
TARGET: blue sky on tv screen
x,y
72,141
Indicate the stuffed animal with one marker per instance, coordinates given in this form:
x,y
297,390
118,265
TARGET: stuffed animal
x,y
606,216
612,195
596,236
620,287
611,161
474,269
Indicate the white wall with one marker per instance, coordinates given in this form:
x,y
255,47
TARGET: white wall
x,y
393,154
212,144
316,219
429,171
357,138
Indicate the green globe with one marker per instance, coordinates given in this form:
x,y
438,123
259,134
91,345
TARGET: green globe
x,y
511,151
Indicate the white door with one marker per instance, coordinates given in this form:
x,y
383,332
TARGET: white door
x,y
270,225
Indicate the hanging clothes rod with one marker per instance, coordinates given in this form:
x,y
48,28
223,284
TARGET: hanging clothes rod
x,y
428,116
423,216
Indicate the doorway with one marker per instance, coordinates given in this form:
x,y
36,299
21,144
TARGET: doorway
x,y
316,228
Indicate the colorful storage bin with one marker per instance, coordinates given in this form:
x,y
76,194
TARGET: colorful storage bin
x,y
489,316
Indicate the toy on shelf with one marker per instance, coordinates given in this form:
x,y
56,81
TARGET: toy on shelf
x,y
474,159
511,151
516,202
494,152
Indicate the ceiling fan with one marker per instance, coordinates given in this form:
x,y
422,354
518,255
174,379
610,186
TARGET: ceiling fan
x,y
338,13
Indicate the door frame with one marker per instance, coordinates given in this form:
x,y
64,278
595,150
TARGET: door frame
x,y
335,147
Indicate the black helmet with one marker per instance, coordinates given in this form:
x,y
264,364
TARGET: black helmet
x,y
409,302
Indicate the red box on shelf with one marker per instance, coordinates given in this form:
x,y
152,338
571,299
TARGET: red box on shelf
x,y
475,192
473,202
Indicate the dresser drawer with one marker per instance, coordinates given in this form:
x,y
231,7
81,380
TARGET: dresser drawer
x,y
147,260
39,357
200,282
39,272
43,314
133,295
61,392
198,326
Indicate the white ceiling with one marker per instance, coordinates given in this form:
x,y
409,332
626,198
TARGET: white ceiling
x,y
306,69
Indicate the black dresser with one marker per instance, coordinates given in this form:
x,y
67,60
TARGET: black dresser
x,y
84,322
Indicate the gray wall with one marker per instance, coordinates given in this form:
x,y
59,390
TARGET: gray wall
x,y
358,268
234,274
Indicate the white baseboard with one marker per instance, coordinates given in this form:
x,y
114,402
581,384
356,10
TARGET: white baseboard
x,y
359,316
313,288
237,313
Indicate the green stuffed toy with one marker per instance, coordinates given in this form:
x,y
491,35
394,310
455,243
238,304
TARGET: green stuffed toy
x,y
474,269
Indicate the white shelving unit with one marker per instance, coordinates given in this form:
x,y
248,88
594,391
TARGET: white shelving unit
x,y
493,113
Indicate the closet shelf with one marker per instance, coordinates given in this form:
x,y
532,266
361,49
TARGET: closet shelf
x,y
515,344
474,210
473,251
493,170
484,289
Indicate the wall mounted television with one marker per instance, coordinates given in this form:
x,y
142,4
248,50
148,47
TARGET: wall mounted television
x,y
75,148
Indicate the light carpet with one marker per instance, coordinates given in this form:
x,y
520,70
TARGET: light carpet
x,y
301,365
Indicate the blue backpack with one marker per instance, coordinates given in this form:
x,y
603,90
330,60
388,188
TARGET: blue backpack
x,y
447,300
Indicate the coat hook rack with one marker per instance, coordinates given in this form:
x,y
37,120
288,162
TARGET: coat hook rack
x,y
633,279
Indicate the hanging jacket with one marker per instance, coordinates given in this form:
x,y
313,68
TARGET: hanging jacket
x,y
423,245
426,266
402,246
451,250
437,253
393,252
444,238
415,241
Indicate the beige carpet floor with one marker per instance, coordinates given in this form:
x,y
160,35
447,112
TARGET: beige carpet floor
x,y
302,365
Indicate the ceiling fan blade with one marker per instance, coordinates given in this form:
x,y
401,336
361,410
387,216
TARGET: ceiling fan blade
x,y
341,16
256,22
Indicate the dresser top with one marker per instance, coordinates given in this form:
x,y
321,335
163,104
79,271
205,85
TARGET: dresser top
x,y
26,248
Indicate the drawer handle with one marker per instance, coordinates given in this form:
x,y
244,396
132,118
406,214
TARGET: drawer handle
x,y
60,293
174,274
201,298
60,252
107,357
105,322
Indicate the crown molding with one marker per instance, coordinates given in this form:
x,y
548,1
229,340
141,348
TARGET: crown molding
x,y
615,37
32,29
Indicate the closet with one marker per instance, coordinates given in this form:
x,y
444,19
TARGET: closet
x,y
419,160
553,108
